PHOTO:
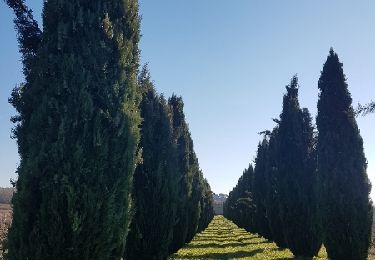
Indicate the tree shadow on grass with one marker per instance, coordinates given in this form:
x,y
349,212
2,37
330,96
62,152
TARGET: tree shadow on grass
x,y
285,258
222,236
221,244
250,242
217,245
224,256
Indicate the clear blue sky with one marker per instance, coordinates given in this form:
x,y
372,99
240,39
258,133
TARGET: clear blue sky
x,y
230,60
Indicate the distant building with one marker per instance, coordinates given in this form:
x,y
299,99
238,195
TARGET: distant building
x,y
219,200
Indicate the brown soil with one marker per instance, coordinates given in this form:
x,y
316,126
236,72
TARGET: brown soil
x,y
5,221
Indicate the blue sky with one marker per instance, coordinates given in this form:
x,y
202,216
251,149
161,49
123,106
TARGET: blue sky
x,y
231,60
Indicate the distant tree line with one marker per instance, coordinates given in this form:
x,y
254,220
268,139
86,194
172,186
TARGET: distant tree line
x,y
107,166
310,187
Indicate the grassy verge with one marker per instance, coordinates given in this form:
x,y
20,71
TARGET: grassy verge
x,y
224,240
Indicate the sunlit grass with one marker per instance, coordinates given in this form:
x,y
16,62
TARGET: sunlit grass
x,y
224,240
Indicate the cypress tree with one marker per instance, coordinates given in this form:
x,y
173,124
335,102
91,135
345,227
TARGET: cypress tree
x,y
239,207
200,203
194,207
228,207
207,210
346,210
155,179
186,222
244,205
260,185
296,177
180,134
272,195
77,133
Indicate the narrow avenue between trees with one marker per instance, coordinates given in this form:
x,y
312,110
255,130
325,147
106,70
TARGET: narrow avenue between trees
x,y
222,239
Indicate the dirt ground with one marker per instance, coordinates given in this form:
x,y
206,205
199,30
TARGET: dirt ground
x,y
5,221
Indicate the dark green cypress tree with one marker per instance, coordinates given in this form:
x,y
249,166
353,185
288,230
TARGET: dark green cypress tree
x,y
245,208
239,207
228,207
155,179
233,197
184,185
77,133
206,203
346,210
272,195
249,201
260,185
187,168
232,205
194,207
296,176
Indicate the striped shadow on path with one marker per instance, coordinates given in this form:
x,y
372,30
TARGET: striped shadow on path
x,y
222,239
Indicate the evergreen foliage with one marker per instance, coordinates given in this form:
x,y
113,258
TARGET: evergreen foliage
x,y
77,130
182,138
366,109
239,206
28,32
207,208
346,210
296,176
193,203
155,179
192,191
260,185
308,188
272,192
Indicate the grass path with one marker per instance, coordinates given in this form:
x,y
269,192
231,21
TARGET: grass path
x,y
224,240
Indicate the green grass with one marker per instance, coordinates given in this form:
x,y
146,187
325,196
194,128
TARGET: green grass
x,y
224,240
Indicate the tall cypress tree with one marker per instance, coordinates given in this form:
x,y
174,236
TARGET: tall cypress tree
x,y
260,185
155,179
187,168
346,210
245,203
244,208
272,195
228,207
206,203
239,207
296,176
77,132
194,207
